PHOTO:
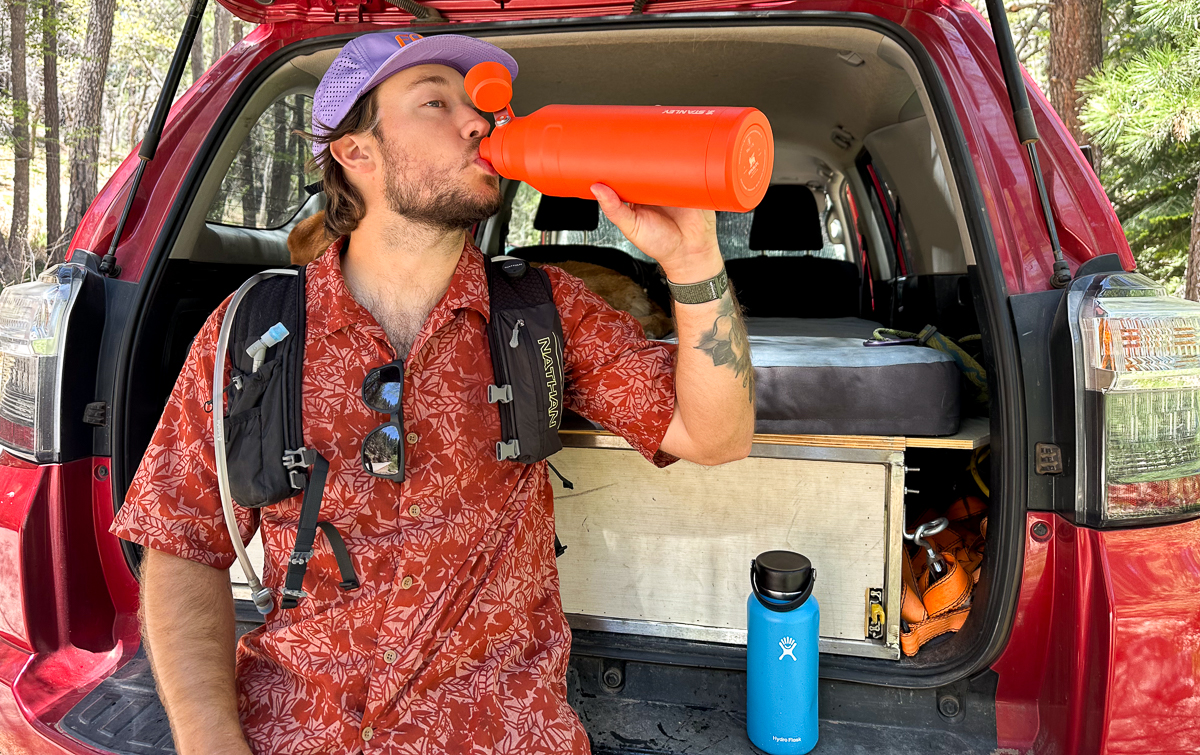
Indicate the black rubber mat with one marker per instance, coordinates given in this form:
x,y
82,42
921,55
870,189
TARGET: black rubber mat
x,y
122,715
633,708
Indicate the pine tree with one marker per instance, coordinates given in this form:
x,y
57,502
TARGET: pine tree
x,y
1144,109
55,244
1076,50
89,97
18,235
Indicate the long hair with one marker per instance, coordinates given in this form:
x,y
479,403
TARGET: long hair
x,y
344,206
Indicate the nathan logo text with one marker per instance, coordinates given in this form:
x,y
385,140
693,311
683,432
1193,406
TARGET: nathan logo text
x,y
551,373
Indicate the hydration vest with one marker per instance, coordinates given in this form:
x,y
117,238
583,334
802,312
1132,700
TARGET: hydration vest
x,y
265,458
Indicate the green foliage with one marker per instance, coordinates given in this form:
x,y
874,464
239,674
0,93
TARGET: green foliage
x,y
1143,110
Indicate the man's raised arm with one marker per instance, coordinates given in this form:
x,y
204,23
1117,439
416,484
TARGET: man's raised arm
x,y
714,380
188,624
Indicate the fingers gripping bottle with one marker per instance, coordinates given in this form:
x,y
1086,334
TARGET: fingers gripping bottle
x,y
716,158
781,654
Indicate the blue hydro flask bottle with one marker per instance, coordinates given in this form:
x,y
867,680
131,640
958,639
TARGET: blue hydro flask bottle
x,y
781,654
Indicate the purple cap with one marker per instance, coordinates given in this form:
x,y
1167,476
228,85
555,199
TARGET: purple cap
x,y
367,60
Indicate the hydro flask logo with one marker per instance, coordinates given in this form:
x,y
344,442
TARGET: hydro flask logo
x,y
787,645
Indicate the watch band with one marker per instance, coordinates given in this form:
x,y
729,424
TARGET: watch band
x,y
698,293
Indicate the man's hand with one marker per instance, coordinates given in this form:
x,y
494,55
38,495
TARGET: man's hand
x,y
683,241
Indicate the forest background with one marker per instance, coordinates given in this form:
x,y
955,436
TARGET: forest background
x,y
79,79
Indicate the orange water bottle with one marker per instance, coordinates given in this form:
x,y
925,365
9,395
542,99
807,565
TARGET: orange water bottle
x,y
714,158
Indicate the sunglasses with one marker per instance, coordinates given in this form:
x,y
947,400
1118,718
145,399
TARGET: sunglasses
x,y
382,450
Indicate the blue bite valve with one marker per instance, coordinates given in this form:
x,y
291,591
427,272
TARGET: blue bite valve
x,y
258,349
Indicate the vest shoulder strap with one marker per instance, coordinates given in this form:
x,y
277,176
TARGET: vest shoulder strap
x,y
526,342
265,454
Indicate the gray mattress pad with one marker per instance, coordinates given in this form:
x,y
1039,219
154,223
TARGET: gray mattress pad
x,y
815,376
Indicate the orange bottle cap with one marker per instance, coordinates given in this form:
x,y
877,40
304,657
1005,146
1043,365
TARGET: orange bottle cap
x,y
489,85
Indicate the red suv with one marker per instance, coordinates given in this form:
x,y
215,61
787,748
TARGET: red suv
x,y
929,208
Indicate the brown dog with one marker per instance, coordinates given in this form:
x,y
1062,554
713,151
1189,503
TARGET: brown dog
x,y
309,239
622,293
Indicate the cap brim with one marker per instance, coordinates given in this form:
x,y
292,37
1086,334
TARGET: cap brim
x,y
460,52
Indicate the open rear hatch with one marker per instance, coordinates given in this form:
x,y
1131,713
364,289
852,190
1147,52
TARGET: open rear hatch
x,y
654,579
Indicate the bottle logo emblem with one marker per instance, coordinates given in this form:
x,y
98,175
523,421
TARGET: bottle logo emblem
x,y
787,645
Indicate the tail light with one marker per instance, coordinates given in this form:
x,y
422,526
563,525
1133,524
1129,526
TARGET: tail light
x,y
1137,402
33,324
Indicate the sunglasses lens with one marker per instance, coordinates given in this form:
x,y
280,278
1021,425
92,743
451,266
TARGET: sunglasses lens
x,y
381,451
383,388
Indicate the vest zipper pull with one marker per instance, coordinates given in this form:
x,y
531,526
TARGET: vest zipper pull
x,y
516,331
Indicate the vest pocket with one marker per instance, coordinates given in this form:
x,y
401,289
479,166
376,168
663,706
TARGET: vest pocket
x,y
254,441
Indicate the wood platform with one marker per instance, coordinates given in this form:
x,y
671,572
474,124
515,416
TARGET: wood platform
x,y
975,432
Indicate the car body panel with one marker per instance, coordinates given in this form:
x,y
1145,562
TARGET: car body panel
x,y
64,591
1104,654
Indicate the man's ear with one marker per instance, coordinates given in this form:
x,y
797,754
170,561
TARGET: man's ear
x,y
357,153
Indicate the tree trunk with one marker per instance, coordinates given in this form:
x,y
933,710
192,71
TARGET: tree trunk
x,y
280,198
1192,288
89,99
238,31
18,232
1076,50
198,55
250,198
55,244
221,23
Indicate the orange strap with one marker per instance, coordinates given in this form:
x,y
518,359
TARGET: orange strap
x,y
933,610
912,640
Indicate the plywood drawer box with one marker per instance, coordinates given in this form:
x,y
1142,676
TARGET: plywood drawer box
x,y
667,552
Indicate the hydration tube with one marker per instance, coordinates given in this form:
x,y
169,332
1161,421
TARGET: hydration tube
x,y
261,595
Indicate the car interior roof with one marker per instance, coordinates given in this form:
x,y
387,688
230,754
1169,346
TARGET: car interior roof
x,y
798,76
809,80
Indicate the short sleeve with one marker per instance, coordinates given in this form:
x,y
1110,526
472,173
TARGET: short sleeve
x,y
174,504
615,376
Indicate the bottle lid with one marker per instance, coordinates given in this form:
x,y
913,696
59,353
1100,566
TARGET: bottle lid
x,y
782,574
741,159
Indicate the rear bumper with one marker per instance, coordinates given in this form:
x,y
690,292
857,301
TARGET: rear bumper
x,y
35,689
1104,654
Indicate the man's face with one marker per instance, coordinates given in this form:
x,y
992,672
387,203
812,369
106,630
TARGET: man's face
x,y
428,141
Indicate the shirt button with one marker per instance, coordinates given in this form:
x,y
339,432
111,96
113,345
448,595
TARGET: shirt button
x,y
367,733
390,656
407,583
411,438
414,510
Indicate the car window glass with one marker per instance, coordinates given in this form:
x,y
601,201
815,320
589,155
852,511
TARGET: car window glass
x,y
265,184
733,233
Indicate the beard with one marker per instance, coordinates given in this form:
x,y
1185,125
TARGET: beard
x,y
435,197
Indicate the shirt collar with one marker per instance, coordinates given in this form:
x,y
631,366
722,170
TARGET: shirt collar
x,y
331,306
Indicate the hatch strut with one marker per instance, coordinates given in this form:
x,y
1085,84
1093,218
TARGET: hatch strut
x,y
1027,131
108,265
423,13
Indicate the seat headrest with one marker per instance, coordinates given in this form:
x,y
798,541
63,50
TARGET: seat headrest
x,y
566,214
787,220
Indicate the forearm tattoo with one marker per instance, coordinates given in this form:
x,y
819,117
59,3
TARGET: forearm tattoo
x,y
726,343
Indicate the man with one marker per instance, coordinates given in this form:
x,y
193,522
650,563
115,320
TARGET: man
x,y
456,640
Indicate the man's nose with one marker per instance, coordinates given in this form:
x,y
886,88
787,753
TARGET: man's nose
x,y
475,126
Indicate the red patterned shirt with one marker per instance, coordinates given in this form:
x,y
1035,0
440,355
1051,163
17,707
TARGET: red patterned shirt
x,y
456,641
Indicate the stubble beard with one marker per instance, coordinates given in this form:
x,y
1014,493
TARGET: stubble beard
x,y
435,198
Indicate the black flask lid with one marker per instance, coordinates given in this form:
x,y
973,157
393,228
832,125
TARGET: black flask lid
x,y
782,574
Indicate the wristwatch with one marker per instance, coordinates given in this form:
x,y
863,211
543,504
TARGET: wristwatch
x,y
698,293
